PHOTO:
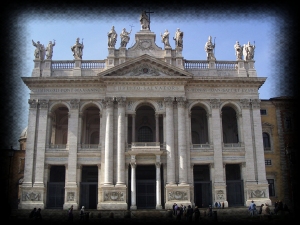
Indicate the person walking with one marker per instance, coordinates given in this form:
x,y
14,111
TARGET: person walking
x,y
197,214
38,215
189,213
70,214
82,213
252,208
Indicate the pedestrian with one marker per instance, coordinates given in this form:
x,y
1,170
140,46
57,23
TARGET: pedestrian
x,y
70,214
81,213
174,209
38,215
178,213
197,213
32,213
209,211
252,208
189,213
266,213
260,209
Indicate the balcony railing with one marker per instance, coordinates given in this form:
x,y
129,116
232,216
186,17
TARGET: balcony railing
x,y
89,147
239,146
146,146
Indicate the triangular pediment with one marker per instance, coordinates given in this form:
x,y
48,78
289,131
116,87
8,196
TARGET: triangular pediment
x,y
145,66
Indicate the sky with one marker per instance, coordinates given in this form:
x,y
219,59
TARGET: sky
x,y
225,29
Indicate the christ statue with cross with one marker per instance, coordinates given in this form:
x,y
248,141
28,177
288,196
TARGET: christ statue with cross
x,y
145,20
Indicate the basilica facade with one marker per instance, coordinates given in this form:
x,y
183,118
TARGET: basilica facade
x,y
143,129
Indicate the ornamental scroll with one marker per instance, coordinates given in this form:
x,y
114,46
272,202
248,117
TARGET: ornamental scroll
x,y
114,196
177,195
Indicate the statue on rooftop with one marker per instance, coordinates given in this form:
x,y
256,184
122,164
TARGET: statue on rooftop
x,y
165,38
125,37
145,22
238,51
39,52
209,48
49,49
248,51
77,49
178,38
112,37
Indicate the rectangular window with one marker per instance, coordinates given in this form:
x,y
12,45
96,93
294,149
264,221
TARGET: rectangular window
x,y
268,162
271,187
263,112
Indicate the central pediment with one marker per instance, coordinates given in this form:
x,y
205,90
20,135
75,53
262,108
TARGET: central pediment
x,y
145,66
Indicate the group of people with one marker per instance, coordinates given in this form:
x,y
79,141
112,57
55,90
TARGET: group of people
x,y
35,214
183,212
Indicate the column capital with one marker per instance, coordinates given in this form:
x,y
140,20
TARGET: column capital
x,y
121,101
245,103
215,103
133,165
169,101
32,103
108,102
181,101
255,103
74,103
43,103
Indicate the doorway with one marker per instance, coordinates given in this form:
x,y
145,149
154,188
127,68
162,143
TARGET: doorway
x,y
202,186
89,187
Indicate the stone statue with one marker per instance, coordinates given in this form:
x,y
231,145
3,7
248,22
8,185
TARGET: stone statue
x,y
178,38
39,52
77,49
145,22
248,51
238,51
209,48
112,37
49,49
165,38
125,37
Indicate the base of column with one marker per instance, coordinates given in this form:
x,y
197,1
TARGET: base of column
x,y
158,207
112,206
133,207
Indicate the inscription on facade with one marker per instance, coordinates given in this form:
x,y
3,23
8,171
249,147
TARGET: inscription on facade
x,y
221,90
67,90
147,88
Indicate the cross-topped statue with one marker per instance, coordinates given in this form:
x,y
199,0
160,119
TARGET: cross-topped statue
x,y
145,20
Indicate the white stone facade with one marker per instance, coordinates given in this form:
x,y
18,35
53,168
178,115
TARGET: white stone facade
x,y
96,112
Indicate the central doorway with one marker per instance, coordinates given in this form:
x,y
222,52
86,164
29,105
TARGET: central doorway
x,y
89,187
145,186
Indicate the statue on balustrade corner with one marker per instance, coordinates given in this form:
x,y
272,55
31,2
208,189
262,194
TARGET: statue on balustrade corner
x,y
112,37
249,51
238,51
39,52
145,22
125,37
209,48
77,49
165,38
178,38
49,49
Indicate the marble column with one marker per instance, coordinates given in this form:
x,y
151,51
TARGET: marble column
x,y
80,129
108,167
170,140
158,183
133,185
41,140
258,142
72,143
157,127
217,141
247,133
49,129
30,144
133,128
121,141
182,153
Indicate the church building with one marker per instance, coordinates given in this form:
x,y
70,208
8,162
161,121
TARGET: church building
x,y
144,128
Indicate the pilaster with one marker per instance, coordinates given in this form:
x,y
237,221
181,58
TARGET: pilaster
x,y
47,68
77,68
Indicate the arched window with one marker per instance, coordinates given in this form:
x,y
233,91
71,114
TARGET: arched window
x,y
145,134
266,141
